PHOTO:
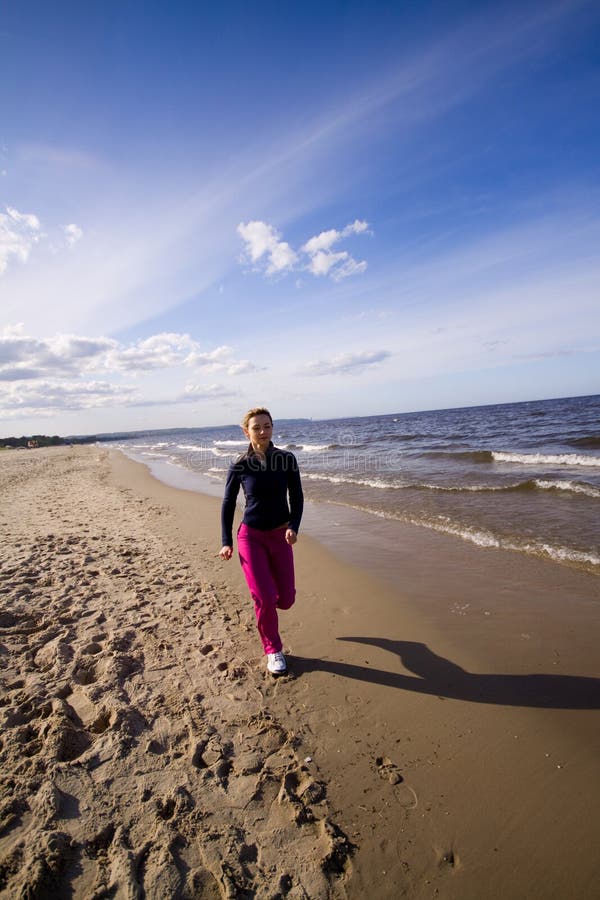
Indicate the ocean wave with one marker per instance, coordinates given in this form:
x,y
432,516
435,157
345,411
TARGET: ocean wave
x,y
230,454
348,445
230,443
309,448
194,448
574,487
359,482
533,484
156,454
546,459
487,539
527,459
136,446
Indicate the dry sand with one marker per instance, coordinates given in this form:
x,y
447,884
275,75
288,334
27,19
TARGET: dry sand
x,y
437,735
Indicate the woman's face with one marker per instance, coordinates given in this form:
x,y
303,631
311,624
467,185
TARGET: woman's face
x,y
259,431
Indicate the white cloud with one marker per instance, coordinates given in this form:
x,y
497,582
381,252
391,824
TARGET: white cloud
x,y
46,397
220,360
213,360
161,351
281,258
23,220
322,241
323,261
347,363
18,233
263,240
40,377
259,237
25,358
350,267
326,239
73,234
243,367
356,227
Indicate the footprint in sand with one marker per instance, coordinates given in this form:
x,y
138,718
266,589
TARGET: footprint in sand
x,y
389,771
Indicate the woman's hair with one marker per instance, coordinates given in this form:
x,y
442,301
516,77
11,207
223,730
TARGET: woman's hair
x,y
257,411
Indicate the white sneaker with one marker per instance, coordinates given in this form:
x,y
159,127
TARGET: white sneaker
x,y
276,663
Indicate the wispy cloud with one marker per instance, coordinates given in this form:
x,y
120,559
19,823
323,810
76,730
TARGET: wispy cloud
x,y
347,363
18,233
73,233
263,245
194,392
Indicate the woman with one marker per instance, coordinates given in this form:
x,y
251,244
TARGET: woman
x,y
269,478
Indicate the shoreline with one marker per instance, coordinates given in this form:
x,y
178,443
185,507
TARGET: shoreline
x,y
449,711
470,605
185,478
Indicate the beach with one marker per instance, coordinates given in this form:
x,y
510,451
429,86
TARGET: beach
x,y
437,735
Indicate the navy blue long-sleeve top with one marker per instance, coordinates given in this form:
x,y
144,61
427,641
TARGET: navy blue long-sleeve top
x,y
267,484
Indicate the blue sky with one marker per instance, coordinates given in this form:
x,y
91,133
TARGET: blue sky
x,y
333,209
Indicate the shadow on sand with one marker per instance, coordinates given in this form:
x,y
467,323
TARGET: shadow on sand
x,y
442,678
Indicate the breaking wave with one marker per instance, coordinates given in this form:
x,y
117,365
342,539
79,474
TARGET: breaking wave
x,y
546,459
487,539
533,484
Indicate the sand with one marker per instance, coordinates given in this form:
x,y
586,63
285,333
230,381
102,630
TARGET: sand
x,y
437,735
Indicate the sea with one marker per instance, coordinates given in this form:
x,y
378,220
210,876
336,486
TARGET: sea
x,y
523,477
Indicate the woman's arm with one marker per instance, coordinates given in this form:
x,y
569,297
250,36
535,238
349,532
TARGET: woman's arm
x,y
232,488
296,496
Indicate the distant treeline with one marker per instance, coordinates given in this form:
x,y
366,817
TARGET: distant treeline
x,y
43,440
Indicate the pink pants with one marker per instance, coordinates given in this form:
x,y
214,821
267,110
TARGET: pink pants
x,y
268,565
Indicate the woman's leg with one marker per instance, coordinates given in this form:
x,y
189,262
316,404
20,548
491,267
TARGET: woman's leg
x,y
282,568
256,566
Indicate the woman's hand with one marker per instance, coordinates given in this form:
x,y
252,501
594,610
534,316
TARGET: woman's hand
x,y
291,536
226,552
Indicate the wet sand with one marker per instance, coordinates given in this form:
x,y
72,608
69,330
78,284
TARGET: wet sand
x,y
437,735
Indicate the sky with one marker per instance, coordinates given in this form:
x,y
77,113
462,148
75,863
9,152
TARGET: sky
x,y
332,209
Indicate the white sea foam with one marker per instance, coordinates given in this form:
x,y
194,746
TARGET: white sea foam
x,y
309,448
224,453
361,482
547,459
470,488
573,487
194,448
396,484
230,443
483,538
